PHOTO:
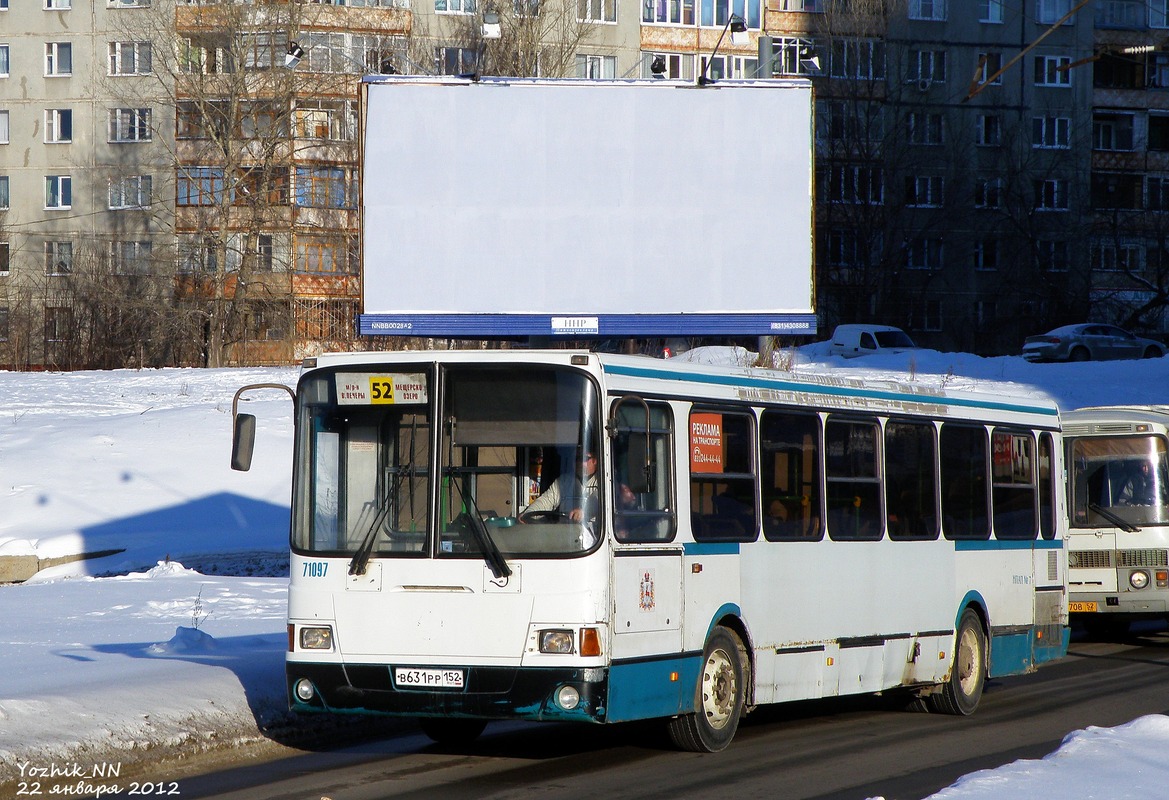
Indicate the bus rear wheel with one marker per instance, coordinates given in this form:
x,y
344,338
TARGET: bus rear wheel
x,y
961,693
444,730
721,695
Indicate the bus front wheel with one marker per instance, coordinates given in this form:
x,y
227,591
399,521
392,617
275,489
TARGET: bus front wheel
x,y
961,693
721,695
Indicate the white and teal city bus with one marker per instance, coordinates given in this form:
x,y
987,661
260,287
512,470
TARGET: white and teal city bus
x,y
1118,542
720,538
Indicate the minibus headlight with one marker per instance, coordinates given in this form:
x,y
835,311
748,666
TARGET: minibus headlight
x,y
316,638
1138,579
556,641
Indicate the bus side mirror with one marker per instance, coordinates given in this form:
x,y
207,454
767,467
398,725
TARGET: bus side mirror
x,y
638,468
243,442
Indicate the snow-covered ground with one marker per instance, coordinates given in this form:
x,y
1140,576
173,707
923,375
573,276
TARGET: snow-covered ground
x,y
176,641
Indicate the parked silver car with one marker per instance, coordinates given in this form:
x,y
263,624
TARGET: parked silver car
x,y
1089,342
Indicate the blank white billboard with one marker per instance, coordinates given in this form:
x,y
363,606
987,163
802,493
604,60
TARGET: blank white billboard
x,y
532,207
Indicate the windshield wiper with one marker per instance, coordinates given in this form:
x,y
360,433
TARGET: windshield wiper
x,y
360,560
1116,520
491,553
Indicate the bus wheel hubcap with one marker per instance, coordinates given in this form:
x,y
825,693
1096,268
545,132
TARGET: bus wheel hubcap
x,y
719,689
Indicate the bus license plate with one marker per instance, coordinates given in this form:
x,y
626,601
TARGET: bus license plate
x,y
414,678
1081,607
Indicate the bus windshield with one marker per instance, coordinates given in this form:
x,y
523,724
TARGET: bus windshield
x,y
1119,481
518,463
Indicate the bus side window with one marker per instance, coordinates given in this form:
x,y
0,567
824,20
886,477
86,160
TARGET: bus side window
x,y
853,479
722,476
643,516
911,488
964,465
790,475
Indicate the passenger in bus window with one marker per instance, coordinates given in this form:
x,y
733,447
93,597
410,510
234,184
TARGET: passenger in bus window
x,y
774,521
572,497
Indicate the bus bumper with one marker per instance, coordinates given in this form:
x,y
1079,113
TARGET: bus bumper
x,y
489,692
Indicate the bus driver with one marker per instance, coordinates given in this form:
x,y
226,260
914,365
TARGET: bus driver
x,y
570,496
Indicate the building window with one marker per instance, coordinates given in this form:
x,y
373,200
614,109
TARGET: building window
x,y
200,186
262,50
924,128
131,258
789,56
859,59
58,125
455,6
990,11
924,253
677,66
4,198
1049,12
1116,190
456,60
606,11
1053,71
58,192
325,187
3,127
986,254
988,193
58,59
3,61
58,258
926,67
934,10
1158,13
58,323
1051,195
130,58
132,191
1051,132
1157,193
130,125
596,68
1110,256
4,264
128,3
924,191
325,119
1112,132
325,254
847,120
854,185
265,252
1052,255
990,130
57,5
324,319
990,66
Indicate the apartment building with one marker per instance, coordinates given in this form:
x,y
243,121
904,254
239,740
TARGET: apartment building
x,y
180,183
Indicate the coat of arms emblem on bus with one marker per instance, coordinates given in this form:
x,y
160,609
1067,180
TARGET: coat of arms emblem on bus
x,y
646,601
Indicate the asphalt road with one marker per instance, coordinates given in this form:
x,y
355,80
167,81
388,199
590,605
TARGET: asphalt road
x,y
841,749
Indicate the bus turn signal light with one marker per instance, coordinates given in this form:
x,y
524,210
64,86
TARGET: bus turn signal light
x,y
590,642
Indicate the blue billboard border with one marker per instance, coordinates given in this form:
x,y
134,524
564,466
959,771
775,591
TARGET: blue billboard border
x,y
573,326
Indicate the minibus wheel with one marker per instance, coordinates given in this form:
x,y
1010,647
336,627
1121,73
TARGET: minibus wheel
x,y
720,696
961,693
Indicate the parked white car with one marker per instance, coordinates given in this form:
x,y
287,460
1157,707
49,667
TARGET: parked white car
x,y
864,340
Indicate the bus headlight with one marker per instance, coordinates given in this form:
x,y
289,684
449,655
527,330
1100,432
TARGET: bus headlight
x,y
1139,579
556,641
316,638
304,690
567,697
